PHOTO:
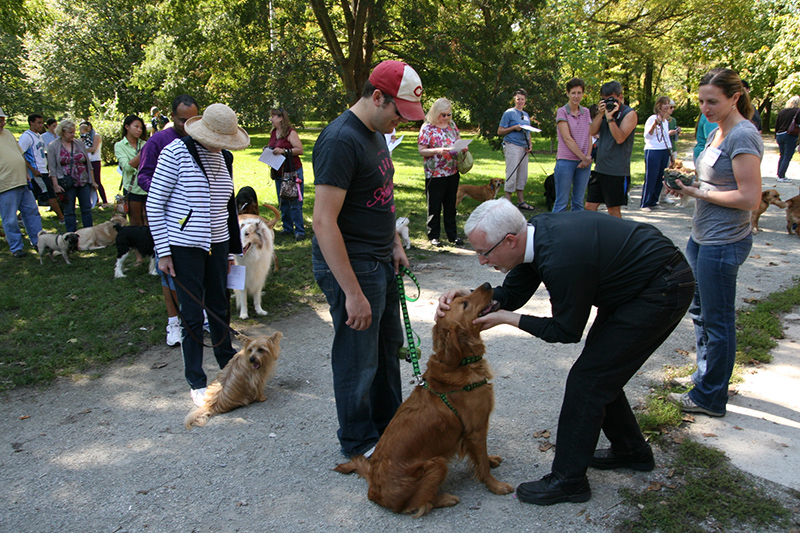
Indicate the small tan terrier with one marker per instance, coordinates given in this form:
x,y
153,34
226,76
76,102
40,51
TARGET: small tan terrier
x,y
242,380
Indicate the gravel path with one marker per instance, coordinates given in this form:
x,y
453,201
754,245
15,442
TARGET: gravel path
x,y
111,453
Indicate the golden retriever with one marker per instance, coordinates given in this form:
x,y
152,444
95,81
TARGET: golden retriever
x,y
101,235
258,253
770,196
793,215
410,460
242,380
481,193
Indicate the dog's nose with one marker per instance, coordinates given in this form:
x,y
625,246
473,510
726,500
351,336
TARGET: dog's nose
x,y
487,286
252,359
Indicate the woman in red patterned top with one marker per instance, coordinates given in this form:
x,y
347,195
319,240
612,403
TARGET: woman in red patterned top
x,y
436,138
284,141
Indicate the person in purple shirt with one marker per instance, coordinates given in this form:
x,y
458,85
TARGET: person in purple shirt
x,y
184,107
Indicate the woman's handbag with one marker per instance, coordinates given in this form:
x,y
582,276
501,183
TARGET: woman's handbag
x,y
65,182
794,127
290,183
464,162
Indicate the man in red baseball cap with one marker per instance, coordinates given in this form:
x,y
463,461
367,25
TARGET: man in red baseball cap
x,y
356,252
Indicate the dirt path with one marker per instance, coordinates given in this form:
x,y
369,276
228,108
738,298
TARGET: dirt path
x,y
111,453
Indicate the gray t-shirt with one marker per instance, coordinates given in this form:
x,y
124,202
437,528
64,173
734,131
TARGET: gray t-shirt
x,y
714,224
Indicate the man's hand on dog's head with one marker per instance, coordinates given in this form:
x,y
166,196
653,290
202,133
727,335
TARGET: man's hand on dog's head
x,y
446,299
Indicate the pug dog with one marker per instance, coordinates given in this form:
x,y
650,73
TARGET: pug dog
x,y
63,243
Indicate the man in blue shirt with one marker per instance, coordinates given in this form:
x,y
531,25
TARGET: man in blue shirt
x,y
516,147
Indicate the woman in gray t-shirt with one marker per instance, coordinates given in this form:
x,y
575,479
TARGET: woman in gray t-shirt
x,y
729,173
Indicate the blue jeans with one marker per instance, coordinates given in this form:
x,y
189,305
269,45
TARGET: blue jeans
x,y
203,274
84,195
655,161
786,144
366,370
567,175
20,199
713,312
292,210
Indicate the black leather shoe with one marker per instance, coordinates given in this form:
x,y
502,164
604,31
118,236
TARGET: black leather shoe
x,y
608,460
550,490
457,241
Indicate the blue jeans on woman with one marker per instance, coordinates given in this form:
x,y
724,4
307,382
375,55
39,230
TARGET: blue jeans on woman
x,y
568,176
84,195
786,143
292,210
204,275
655,161
713,312
366,370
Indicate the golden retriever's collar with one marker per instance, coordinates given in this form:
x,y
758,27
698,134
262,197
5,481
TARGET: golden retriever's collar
x,y
469,360
443,395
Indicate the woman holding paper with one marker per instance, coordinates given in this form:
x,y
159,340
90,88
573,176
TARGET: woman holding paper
x,y
574,156
284,141
436,139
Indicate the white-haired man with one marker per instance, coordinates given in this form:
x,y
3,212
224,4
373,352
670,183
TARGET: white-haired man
x,y
641,285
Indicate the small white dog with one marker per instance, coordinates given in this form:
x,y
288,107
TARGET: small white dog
x,y
61,243
402,229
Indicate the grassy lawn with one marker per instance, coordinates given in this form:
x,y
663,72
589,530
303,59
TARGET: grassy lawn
x,y
60,319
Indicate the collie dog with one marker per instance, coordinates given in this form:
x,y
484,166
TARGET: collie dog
x,y
258,253
448,416
242,380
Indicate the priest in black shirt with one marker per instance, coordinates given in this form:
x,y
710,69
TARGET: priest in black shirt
x,y
641,285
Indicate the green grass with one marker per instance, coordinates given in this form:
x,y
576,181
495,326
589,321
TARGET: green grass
x,y
706,492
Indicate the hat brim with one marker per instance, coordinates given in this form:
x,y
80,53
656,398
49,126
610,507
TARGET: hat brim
x,y
409,110
212,139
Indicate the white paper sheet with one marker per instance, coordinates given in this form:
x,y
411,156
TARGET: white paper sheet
x,y
530,128
460,144
236,277
275,161
395,144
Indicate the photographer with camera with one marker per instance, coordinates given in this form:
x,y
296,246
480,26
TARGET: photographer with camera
x,y
615,123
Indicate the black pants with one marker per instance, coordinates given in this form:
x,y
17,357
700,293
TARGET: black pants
x,y
441,194
618,344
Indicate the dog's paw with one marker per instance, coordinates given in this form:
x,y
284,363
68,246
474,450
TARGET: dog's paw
x,y
261,311
495,460
346,468
498,487
244,315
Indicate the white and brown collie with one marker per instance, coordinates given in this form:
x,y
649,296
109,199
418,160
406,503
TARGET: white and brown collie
x,y
258,253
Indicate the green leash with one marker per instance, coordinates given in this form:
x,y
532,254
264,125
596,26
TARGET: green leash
x,y
411,353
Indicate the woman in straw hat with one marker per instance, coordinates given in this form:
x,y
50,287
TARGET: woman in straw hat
x,y
192,214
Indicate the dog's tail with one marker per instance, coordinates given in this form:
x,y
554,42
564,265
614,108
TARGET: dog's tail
x,y
359,464
276,215
198,418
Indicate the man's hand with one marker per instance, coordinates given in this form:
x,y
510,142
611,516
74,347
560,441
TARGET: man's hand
x,y
446,299
359,312
497,318
399,255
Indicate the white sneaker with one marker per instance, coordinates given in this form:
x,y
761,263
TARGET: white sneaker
x,y
206,327
174,334
783,180
368,453
198,396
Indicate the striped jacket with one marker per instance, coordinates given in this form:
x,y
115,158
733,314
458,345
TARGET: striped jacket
x,y
178,206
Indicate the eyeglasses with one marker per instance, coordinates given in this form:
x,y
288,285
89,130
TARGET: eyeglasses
x,y
486,254
672,107
397,111
445,114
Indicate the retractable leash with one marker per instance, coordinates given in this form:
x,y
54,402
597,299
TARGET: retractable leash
x,y
410,354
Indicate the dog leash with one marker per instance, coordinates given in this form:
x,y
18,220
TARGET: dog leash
x,y
410,354
211,314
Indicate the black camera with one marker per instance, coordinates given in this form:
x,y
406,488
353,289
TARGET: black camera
x,y
610,102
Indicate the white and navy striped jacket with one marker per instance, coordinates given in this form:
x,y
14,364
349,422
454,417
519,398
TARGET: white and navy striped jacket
x,y
178,204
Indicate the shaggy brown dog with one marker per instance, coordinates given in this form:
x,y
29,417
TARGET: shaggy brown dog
x,y
101,235
242,380
793,215
770,196
448,416
481,193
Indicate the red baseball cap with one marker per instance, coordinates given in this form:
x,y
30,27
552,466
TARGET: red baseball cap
x,y
397,79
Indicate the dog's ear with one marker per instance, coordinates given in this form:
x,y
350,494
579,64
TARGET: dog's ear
x,y
275,339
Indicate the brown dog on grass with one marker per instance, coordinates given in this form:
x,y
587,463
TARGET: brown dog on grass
x,y
242,380
793,215
481,193
448,416
770,196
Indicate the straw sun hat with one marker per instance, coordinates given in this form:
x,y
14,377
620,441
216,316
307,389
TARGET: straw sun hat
x,y
218,128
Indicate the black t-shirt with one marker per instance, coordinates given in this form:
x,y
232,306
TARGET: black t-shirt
x,y
349,156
